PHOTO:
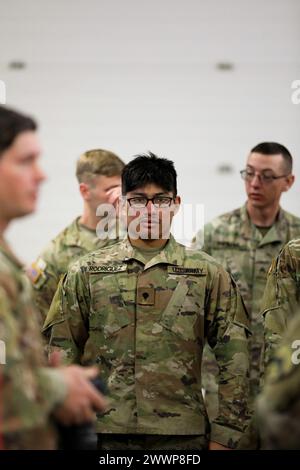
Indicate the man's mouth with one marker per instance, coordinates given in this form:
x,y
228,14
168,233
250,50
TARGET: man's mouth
x,y
146,221
256,196
33,195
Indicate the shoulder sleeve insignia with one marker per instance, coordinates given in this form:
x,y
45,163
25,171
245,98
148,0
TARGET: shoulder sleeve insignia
x,y
34,273
36,270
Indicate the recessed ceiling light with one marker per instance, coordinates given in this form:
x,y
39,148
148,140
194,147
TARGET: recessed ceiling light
x,y
225,66
225,168
17,65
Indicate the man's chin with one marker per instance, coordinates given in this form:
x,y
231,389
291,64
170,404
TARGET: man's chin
x,y
149,234
257,202
24,211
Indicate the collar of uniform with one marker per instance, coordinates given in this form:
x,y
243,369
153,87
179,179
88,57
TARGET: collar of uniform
x,y
275,234
72,237
172,253
6,251
246,227
277,231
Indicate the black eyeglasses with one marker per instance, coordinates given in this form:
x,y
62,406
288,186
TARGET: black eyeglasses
x,y
264,177
160,202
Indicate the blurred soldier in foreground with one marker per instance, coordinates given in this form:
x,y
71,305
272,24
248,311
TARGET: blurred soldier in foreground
x,y
30,392
282,296
281,301
99,176
278,407
246,240
142,309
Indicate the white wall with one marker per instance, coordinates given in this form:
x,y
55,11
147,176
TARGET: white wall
x,y
135,75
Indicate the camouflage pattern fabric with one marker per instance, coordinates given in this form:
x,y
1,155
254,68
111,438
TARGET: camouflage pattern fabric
x,y
151,442
234,241
282,296
73,242
145,324
29,391
278,408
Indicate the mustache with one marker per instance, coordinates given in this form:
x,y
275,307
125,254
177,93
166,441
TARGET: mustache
x,y
150,218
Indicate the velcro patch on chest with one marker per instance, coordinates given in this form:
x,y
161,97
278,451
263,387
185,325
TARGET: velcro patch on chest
x,y
106,268
186,271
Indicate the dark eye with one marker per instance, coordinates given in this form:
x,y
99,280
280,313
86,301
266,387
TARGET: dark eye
x,y
162,201
138,201
267,176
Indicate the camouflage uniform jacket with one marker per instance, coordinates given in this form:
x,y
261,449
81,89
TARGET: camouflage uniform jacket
x,y
282,295
278,408
73,242
234,241
28,390
145,325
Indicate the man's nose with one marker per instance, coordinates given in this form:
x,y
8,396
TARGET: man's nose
x,y
256,180
40,175
149,206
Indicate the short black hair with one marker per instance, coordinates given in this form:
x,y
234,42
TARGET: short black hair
x,y
273,148
146,169
12,123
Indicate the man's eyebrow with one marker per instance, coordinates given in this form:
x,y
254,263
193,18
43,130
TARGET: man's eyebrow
x,y
113,186
264,169
29,156
145,195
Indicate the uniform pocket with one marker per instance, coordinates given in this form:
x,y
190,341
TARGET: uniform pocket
x,y
184,308
109,313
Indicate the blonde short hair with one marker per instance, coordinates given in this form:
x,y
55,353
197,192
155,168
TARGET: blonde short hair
x,y
98,162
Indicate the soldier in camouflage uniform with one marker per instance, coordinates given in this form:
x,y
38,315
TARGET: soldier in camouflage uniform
x,y
30,392
245,241
278,407
99,176
281,299
142,309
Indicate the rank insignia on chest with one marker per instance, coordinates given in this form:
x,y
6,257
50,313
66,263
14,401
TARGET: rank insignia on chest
x,y
145,296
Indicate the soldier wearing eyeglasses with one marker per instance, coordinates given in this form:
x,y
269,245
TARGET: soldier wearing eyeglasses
x,y
142,310
246,240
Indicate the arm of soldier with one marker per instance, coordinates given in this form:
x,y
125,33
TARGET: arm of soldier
x,y
227,334
44,275
29,393
280,301
66,324
202,239
278,406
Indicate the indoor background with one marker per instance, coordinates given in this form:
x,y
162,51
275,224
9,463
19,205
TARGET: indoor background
x,y
196,81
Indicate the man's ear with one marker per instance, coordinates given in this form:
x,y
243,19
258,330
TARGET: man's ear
x,y
177,203
289,181
84,191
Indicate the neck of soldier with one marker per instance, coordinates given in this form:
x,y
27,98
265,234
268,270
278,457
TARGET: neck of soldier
x,y
263,216
89,217
3,226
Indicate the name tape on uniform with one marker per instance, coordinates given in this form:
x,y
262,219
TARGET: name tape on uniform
x,y
106,268
186,271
